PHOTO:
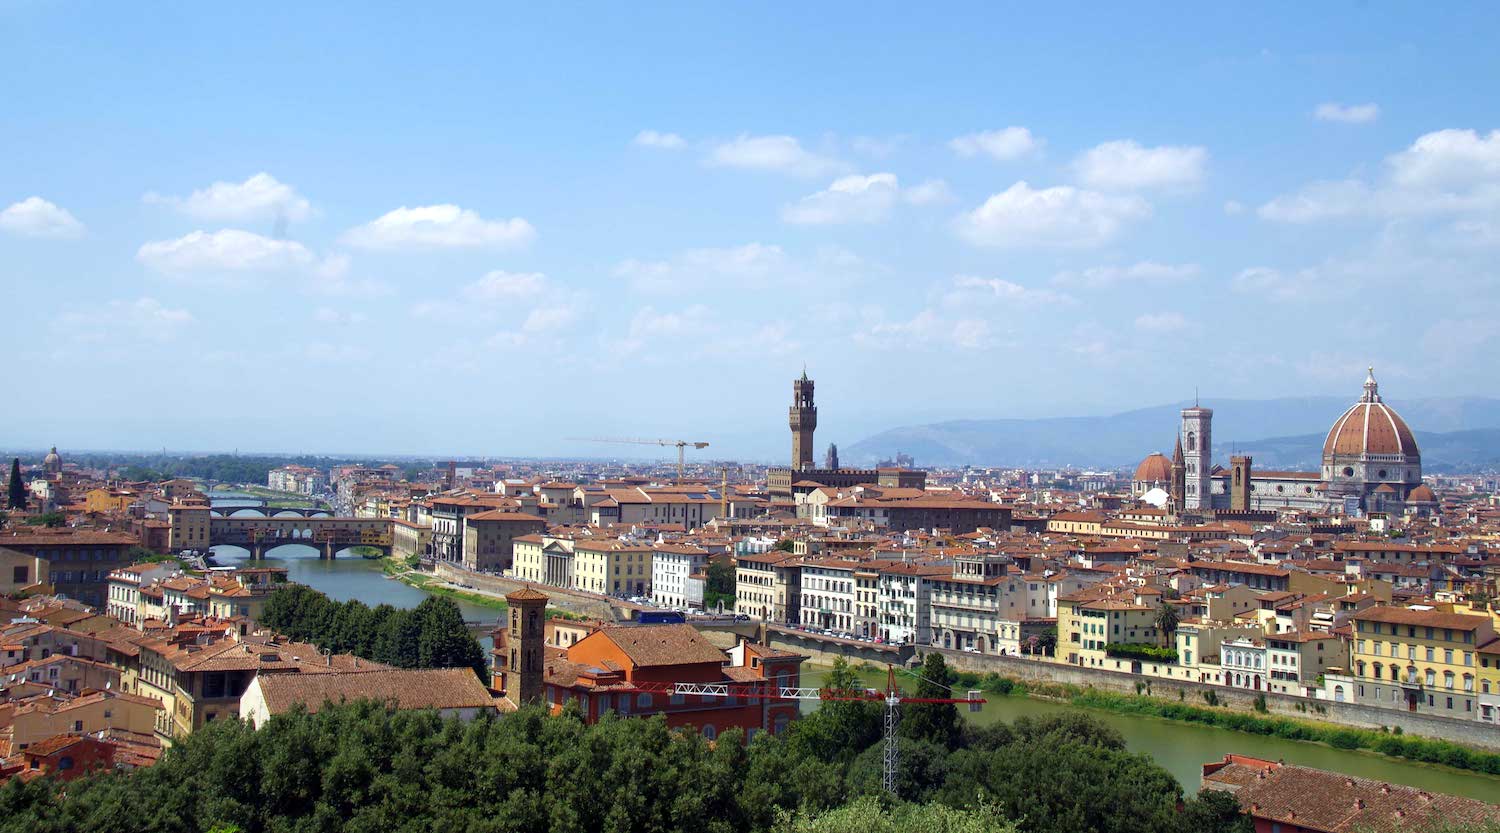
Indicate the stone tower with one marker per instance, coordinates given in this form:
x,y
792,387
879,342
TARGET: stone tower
x,y
804,421
831,458
1239,483
1197,447
1179,478
524,641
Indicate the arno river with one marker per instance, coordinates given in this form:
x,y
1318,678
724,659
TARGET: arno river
x,y
1179,747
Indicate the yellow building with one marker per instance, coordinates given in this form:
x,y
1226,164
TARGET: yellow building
x,y
1092,618
1419,659
612,567
107,501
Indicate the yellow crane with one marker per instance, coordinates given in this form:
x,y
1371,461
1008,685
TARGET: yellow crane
x,y
682,446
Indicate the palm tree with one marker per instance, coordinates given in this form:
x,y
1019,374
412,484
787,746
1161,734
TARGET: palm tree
x,y
1166,621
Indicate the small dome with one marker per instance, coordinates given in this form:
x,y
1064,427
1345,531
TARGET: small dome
x,y
1154,469
1370,427
1422,494
1384,489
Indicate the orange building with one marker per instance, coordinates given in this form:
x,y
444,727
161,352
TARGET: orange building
x,y
629,669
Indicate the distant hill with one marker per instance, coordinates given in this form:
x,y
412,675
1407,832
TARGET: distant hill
x,y
1461,432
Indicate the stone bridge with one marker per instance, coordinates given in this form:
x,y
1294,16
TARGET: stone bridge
x,y
269,511
331,535
824,649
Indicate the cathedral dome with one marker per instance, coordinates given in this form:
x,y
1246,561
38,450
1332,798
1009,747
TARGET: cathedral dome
x,y
1154,469
52,463
1421,494
1370,427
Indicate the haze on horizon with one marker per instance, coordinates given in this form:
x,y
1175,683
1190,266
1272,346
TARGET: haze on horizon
x,y
480,231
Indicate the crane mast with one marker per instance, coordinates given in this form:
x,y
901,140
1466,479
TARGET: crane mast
x,y
682,446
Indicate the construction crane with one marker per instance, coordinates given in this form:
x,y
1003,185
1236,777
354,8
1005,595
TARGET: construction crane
x,y
891,697
682,446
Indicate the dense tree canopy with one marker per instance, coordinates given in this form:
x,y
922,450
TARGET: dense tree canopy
x,y
431,635
359,767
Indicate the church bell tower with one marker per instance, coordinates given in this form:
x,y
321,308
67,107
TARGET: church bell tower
x,y
804,421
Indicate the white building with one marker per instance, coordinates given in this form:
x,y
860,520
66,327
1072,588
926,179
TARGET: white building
x,y
125,583
904,603
1243,661
827,597
673,567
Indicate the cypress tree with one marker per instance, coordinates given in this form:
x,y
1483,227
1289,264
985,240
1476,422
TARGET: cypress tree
x,y
17,497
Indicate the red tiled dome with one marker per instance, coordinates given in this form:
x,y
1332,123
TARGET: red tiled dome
x,y
1370,427
1155,468
1422,494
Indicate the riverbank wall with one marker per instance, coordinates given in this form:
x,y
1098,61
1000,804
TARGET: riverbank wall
x,y
823,651
591,606
1468,732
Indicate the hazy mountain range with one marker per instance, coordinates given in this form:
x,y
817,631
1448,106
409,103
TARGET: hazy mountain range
x,y
1453,432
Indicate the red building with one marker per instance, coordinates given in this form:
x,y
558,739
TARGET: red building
x,y
64,757
630,670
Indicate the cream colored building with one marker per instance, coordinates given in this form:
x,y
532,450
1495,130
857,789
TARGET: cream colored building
x,y
612,568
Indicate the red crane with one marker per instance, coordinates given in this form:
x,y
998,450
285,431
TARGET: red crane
x,y
768,690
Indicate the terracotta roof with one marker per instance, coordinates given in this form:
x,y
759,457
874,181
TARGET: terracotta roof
x,y
658,645
408,688
526,594
1423,618
1319,800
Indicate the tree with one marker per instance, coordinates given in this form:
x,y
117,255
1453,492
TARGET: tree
x,y
50,520
16,499
867,815
785,545
932,722
1214,811
1047,641
1166,621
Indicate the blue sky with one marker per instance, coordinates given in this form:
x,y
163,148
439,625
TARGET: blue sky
x,y
482,230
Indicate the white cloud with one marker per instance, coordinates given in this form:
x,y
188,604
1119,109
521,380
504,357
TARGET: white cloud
x,y
1234,207
753,264
501,285
1162,322
1347,114
969,290
542,324
1446,158
1443,172
782,154
1059,217
1127,165
437,227
257,198
227,250
36,217
930,192
658,140
649,323
850,199
1006,144
1146,272
144,318
926,328
875,147
1273,283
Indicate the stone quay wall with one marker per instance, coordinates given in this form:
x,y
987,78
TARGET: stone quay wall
x,y
1468,732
